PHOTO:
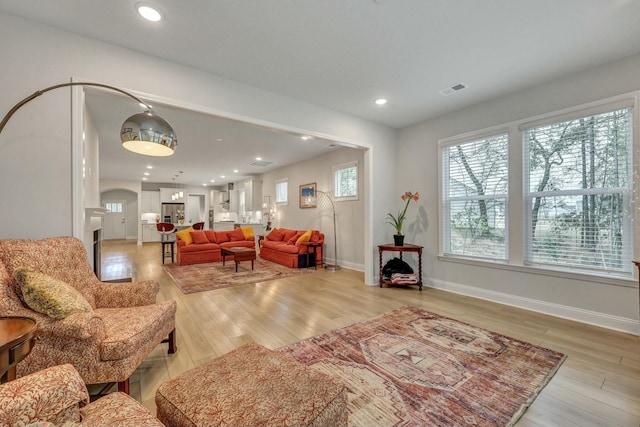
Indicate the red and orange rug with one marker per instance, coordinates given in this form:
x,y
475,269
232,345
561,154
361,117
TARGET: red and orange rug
x,y
213,275
413,367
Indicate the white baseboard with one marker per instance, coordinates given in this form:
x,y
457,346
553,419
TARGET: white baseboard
x,y
349,265
604,320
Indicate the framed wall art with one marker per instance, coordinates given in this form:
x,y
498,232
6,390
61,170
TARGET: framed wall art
x,y
308,197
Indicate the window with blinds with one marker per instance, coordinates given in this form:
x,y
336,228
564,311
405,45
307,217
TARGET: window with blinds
x,y
474,198
578,185
282,186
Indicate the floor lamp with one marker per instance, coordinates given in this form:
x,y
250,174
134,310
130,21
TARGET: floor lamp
x,y
334,266
143,133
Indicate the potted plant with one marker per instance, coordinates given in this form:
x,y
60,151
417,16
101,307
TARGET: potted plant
x,y
398,221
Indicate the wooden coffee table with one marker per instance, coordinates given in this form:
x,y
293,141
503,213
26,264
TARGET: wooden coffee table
x,y
239,254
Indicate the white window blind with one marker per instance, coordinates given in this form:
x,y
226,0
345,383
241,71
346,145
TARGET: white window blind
x,y
578,184
345,181
475,181
282,191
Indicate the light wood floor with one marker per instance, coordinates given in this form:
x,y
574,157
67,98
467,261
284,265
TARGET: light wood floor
x,y
598,385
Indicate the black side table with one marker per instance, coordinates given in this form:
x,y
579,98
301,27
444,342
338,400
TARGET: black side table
x,y
312,255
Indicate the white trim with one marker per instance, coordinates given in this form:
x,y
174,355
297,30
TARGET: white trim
x,y
591,109
621,279
342,166
603,320
368,246
516,243
77,154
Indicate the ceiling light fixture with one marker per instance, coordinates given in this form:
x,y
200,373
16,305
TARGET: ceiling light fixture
x,y
380,101
148,12
143,133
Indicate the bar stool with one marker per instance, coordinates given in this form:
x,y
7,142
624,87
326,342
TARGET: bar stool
x,y
198,226
166,229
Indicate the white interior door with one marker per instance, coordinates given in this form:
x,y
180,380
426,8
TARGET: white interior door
x,y
114,220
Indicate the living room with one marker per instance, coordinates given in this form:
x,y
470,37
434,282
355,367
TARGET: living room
x,y
43,188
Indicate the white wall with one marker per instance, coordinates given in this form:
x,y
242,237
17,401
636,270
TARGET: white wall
x,y
349,214
35,161
593,302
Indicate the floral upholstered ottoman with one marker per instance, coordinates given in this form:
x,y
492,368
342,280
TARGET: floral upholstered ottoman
x,y
252,386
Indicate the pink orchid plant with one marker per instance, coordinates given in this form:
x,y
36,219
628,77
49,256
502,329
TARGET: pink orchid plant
x,y
398,220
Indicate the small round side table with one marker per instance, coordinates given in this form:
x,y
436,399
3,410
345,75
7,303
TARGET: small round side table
x,y
16,341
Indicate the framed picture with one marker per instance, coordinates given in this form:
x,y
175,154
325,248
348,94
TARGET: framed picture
x,y
308,196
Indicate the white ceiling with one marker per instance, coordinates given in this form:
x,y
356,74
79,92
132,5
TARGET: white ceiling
x,y
342,54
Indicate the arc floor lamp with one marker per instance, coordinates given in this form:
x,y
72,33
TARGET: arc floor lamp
x,y
143,133
334,266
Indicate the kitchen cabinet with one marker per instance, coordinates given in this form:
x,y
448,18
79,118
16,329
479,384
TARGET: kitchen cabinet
x,y
253,195
150,233
234,200
222,201
151,201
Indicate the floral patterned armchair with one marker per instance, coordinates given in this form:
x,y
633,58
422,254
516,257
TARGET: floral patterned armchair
x,y
57,396
105,344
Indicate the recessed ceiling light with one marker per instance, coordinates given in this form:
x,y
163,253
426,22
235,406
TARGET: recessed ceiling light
x,y
213,180
258,158
235,171
144,178
306,137
222,176
219,139
380,101
149,167
147,173
148,12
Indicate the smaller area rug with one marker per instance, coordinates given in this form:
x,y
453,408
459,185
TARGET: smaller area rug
x,y
410,367
213,275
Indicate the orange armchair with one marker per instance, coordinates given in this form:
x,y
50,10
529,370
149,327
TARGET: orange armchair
x,y
58,396
106,344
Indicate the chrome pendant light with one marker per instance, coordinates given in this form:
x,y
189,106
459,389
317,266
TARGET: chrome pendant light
x,y
145,133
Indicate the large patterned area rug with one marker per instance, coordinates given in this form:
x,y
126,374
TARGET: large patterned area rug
x,y
410,367
213,275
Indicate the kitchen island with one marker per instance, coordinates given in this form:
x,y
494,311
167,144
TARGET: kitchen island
x,y
258,228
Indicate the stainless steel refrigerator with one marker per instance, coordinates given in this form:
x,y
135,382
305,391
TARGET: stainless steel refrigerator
x,y
172,211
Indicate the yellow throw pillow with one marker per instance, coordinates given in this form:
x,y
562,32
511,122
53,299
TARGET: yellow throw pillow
x,y
248,232
185,235
306,236
48,295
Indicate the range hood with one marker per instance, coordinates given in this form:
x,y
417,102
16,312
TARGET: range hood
x,y
225,197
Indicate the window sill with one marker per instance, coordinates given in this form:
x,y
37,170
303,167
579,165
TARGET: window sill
x,y
616,280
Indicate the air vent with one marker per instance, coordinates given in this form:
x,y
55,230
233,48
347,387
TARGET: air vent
x,y
453,89
260,163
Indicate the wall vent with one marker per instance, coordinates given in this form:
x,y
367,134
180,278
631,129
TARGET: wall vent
x,y
453,89
260,163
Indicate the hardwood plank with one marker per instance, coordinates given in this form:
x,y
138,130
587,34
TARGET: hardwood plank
x,y
599,383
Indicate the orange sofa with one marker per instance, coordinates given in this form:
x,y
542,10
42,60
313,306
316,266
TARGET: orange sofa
x,y
291,247
200,246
